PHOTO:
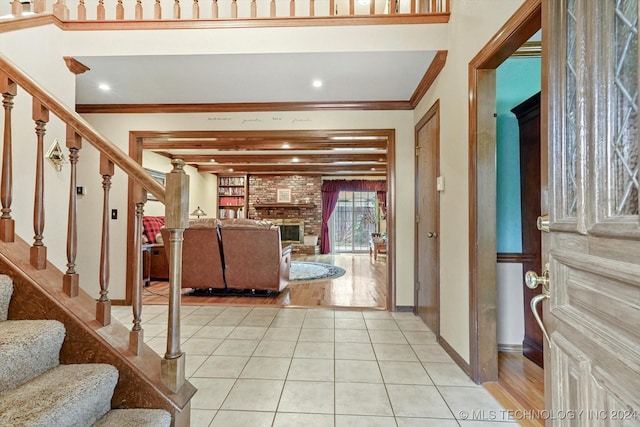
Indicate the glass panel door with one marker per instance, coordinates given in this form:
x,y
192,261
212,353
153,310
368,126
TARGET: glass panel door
x,y
353,220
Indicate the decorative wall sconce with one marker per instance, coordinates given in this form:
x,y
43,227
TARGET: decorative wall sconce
x,y
55,155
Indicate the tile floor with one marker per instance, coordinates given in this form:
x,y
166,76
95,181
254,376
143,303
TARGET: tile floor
x,y
281,367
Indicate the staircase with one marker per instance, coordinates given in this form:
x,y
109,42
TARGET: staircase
x,y
36,390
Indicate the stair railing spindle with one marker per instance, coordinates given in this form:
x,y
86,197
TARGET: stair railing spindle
x,y
136,335
234,9
38,252
82,11
272,8
312,8
39,6
196,10
16,8
157,10
254,9
101,14
214,9
138,10
176,220
71,279
176,9
7,225
119,11
103,307
60,10
292,8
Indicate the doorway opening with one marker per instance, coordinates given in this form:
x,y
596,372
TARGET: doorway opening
x,y
484,360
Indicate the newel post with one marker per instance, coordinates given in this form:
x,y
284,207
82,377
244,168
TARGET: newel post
x,y
176,220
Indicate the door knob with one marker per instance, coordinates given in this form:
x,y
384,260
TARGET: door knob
x,y
532,280
543,223
432,234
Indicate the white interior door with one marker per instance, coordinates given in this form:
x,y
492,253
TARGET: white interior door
x,y
593,315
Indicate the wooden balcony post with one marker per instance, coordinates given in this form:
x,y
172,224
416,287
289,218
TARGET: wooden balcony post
x,y
103,306
38,252
292,8
214,9
372,8
60,10
176,9
332,7
234,9
157,10
71,279
352,7
312,8
176,220
7,225
272,8
16,8
119,11
196,10
101,14
82,11
39,6
138,10
136,335
254,9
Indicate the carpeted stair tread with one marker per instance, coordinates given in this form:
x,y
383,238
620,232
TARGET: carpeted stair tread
x,y
68,395
6,290
28,348
135,418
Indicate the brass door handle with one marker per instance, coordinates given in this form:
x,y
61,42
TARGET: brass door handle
x,y
432,234
532,280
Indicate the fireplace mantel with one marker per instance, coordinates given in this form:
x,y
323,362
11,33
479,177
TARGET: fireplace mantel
x,y
284,205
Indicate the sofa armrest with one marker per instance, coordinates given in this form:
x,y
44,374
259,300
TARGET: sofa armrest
x,y
287,250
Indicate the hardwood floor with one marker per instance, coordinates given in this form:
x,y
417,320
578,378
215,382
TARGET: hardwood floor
x,y
520,388
364,285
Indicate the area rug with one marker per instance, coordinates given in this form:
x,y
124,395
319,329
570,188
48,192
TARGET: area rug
x,y
307,271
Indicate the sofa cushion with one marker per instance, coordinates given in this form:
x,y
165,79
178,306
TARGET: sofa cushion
x,y
151,226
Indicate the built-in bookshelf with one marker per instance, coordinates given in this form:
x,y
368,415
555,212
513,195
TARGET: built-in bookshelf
x,y
232,196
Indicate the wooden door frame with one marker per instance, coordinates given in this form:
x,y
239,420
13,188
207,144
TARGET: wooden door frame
x,y
483,345
135,152
435,109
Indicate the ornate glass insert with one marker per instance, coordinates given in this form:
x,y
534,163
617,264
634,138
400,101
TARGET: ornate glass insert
x,y
569,184
623,146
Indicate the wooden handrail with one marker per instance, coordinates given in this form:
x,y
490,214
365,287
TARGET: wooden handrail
x,y
84,129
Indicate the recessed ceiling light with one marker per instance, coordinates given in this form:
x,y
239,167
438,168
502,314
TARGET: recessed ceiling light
x,y
105,87
230,169
373,169
364,2
295,160
286,145
317,83
212,160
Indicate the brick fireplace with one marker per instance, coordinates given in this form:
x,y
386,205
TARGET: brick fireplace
x,y
305,189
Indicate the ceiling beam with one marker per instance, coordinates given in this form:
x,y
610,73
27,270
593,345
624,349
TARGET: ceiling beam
x,y
281,158
317,169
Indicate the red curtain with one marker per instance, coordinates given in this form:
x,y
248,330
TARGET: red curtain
x,y
331,190
329,202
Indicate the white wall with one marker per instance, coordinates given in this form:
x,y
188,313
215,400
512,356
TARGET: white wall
x,y
510,304
472,24
202,186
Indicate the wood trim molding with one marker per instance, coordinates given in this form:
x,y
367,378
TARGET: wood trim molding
x,y
30,21
75,66
429,77
298,21
455,356
529,50
136,143
240,107
525,22
515,257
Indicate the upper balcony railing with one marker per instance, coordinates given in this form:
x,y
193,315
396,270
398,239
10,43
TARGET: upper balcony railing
x,y
148,13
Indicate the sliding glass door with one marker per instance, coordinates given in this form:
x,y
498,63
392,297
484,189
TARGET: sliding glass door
x,y
353,220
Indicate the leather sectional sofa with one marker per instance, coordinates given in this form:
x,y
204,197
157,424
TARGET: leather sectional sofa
x,y
233,256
